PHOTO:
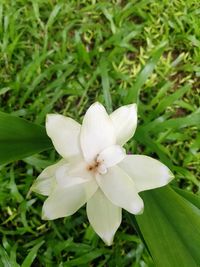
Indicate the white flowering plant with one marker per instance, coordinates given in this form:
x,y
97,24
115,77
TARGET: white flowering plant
x,y
95,170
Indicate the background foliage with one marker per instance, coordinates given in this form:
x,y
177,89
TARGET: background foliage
x,y
60,56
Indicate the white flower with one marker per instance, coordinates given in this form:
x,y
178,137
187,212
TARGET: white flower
x,y
96,170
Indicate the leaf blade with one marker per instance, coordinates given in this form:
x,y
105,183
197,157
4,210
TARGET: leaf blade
x,y
168,230
20,138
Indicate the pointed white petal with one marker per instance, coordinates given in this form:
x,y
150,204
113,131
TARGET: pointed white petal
x,y
46,181
64,133
146,172
75,172
120,190
97,132
125,122
104,216
66,201
112,155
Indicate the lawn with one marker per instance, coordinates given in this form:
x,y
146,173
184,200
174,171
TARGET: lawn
x,y
60,57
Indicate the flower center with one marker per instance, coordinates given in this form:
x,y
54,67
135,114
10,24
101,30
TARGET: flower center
x,y
97,167
107,158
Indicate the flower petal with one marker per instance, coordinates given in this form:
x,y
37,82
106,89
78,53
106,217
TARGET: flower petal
x,y
146,172
75,172
125,122
97,132
120,190
46,181
112,155
66,201
64,133
104,216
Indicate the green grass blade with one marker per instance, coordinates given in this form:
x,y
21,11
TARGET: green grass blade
x,y
86,258
133,94
53,15
105,84
156,126
31,255
4,259
142,137
169,100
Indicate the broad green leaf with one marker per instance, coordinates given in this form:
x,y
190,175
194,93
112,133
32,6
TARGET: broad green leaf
x,y
170,228
20,138
194,199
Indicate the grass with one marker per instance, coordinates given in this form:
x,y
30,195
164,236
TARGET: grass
x,y
60,56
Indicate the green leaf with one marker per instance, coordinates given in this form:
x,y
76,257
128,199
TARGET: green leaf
x,y
194,199
170,228
20,138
